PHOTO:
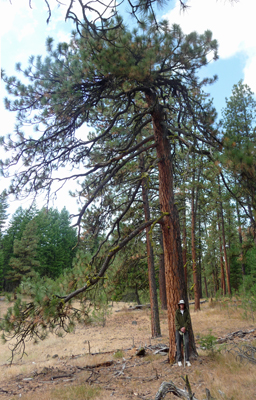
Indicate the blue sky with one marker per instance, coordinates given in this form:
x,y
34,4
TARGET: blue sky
x,y
24,32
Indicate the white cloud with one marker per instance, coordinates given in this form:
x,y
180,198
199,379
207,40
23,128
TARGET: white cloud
x,y
249,71
28,30
232,24
13,12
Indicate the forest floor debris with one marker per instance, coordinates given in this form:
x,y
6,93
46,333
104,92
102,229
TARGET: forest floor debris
x,y
103,361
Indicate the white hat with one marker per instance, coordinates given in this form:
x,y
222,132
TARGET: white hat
x,y
181,302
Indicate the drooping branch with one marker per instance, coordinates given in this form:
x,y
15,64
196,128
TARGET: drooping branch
x,y
92,281
116,223
107,179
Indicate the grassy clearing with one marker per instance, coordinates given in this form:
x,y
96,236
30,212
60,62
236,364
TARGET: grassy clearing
x,y
225,376
228,376
81,392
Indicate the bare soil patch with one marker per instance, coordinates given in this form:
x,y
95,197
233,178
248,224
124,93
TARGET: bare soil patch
x,y
60,368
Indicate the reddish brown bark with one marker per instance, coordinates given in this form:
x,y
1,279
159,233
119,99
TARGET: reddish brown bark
x,y
162,283
174,272
155,321
224,243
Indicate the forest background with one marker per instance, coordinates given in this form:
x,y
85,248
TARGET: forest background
x,y
212,165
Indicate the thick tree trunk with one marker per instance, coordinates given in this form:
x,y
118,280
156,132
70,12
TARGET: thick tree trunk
x,y
224,241
174,271
155,321
162,282
193,249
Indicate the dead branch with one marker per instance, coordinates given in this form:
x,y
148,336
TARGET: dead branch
x,y
246,352
62,376
233,335
201,302
100,364
118,373
169,387
208,395
139,307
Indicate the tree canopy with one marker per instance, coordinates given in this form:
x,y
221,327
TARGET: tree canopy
x,y
91,82
141,94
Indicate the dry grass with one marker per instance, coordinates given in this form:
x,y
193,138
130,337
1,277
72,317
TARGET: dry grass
x,y
225,376
80,392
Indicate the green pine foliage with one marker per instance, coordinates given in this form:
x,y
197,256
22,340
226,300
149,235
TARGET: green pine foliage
x,y
51,244
56,242
239,155
91,81
14,231
3,218
24,262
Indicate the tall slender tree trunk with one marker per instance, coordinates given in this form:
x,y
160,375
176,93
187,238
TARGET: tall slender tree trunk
x,y
174,271
214,281
205,285
193,248
155,321
205,280
137,294
222,273
184,243
199,256
162,282
240,239
224,241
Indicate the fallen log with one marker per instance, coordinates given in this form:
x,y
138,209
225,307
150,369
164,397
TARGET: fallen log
x,y
169,387
233,335
139,307
201,302
62,376
98,365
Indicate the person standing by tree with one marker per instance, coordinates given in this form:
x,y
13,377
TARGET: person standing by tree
x,y
182,326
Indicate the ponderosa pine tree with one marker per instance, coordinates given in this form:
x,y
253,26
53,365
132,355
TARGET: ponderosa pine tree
x,y
155,320
148,82
239,155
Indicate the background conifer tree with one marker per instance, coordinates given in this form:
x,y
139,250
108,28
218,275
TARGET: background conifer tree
x,y
25,261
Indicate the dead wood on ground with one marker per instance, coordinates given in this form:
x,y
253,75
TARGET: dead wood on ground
x,y
244,352
170,387
233,335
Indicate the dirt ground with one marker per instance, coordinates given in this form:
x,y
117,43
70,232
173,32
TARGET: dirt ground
x,y
105,358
